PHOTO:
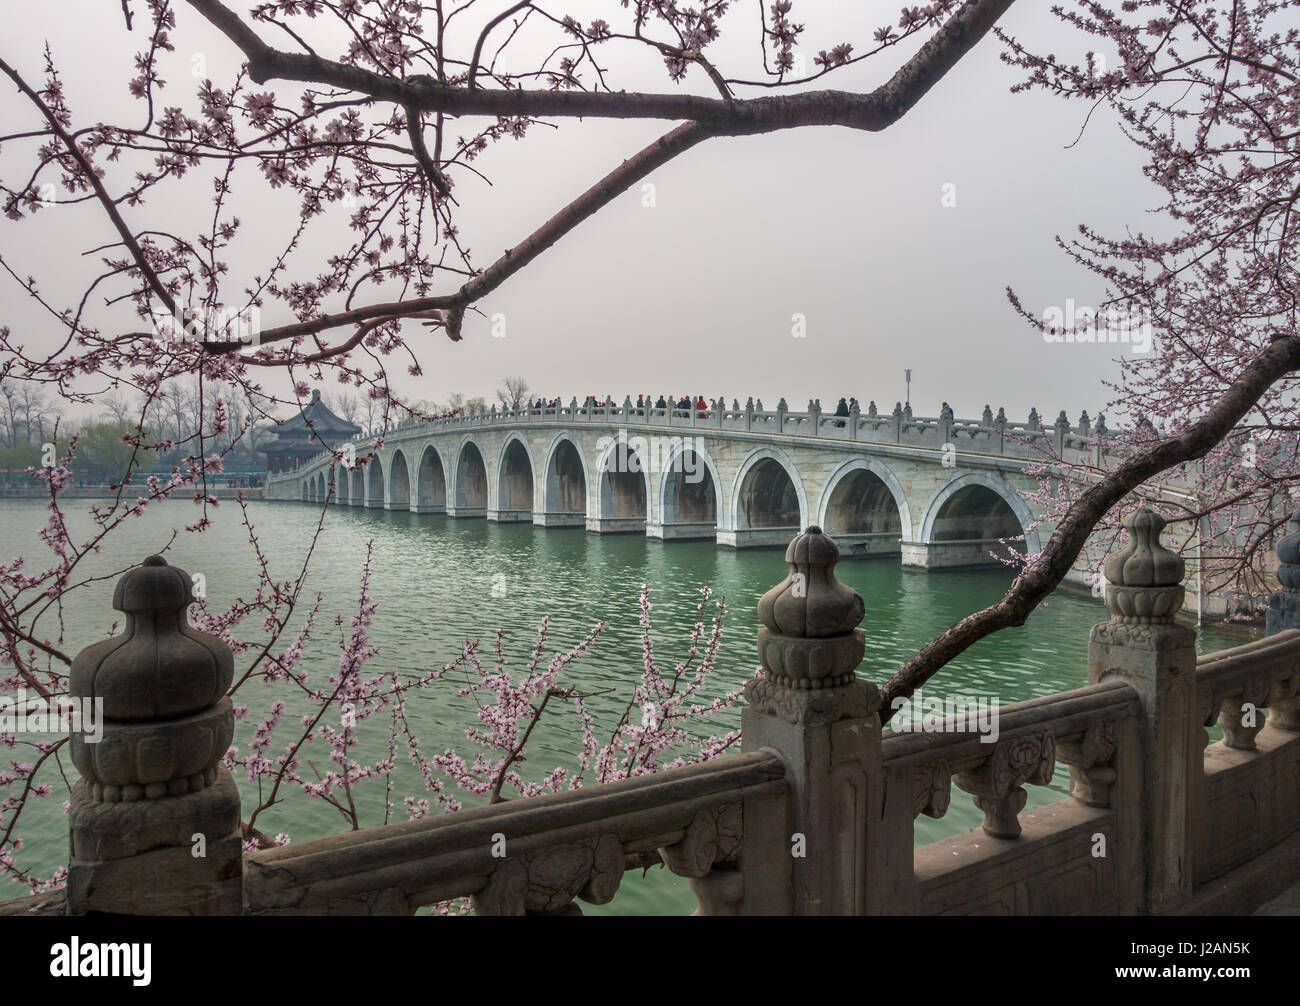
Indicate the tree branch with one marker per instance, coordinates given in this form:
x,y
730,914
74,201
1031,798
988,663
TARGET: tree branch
x,y
873,112
1045,573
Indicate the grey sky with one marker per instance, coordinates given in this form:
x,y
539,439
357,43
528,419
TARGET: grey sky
x,y
696,294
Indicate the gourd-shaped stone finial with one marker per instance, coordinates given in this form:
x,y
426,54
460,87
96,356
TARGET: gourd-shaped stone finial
x,y
809,638
1288,553
1145,578
167,720
810,602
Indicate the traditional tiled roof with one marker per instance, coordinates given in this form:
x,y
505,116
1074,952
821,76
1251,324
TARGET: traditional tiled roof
x,y
311,429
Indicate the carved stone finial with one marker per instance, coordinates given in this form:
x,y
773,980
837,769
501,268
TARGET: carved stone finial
x,y
1284,605
986,418
1288,553
810,602
163,686
871,409
1034,422
809,639
153,779
1145,578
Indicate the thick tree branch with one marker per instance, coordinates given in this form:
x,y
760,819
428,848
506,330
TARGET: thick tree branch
x,y
603,192
874,111
1046,572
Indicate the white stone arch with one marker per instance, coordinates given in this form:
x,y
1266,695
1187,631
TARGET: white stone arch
x,y
995,483
501,468
679,447
551,449
417,485
753,458
376,478
392,496
454,485
596,504
876,468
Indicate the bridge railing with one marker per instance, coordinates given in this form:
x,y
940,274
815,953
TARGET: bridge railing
x,y
989,434
817,815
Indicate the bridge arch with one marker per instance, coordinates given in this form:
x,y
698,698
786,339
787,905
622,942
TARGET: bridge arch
x,y
690,490
431,481
306,493
374,482
768,493
357,497
471,489
399,482
515,478
622,488
322,487
975,507
564,491
864,507
342,487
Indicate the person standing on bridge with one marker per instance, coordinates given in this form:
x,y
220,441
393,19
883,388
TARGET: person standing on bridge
x,y
841,409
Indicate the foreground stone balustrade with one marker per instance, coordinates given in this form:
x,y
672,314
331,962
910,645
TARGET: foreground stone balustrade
x,y
558,848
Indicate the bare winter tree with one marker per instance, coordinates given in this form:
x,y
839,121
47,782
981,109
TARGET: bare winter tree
x,y
514,394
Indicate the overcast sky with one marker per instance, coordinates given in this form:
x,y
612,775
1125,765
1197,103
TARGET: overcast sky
x,y
696,294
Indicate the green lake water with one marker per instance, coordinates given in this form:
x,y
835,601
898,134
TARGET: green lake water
x,y
439,581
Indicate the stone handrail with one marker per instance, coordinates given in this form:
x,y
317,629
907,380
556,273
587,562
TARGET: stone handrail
x,y
554,847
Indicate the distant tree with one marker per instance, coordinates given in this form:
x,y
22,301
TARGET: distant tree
x,y
105,449
513,395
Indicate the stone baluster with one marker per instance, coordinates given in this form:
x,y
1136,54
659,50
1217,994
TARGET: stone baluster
x,y
782,410
749,413
1283,614
808,704
1060,429
815,416
986,417
1143,645
1000,424
1034,423
998,785
855,411
872,412
1085,424
154,820
898,422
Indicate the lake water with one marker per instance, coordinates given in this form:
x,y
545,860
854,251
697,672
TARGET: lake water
x,y
439,581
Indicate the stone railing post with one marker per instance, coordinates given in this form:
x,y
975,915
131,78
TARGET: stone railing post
x,y
808,705
1143,645
1060,429
1283,614
154,819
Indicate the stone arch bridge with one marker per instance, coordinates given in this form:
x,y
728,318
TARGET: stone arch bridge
x,y
938,492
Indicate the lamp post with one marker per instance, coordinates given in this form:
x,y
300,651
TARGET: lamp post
x,y
907,395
